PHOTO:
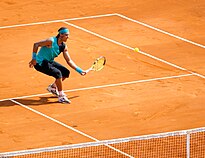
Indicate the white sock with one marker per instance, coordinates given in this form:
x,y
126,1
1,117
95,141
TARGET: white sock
x,y
61,93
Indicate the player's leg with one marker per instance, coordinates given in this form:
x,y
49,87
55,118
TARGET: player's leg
x,y
65,72
62,98
45,68
58,82
49,68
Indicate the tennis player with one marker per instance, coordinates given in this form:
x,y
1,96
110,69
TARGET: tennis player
x,y
43,61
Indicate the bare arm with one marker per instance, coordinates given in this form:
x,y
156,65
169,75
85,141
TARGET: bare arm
x,y
46,42
69,61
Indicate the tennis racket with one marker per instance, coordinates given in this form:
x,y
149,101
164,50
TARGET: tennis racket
x,y
98,64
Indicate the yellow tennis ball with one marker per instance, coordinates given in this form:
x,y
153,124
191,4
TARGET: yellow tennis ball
x,y
136,50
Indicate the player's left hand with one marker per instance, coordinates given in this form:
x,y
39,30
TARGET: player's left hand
x,y
83,73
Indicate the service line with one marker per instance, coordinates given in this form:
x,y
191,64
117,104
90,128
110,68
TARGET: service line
x,y
104,86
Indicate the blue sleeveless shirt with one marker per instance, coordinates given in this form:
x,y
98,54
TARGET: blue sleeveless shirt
x,y
49,53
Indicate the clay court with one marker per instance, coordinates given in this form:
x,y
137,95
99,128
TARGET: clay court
x,y
159,89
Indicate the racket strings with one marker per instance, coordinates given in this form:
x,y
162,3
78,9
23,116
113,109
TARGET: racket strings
x,y
99,64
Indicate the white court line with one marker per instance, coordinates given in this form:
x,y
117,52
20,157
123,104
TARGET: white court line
x,y
141,52
69,127
159,30
103,86
55,21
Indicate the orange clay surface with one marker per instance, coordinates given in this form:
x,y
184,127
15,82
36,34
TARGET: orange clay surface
x,y
110,112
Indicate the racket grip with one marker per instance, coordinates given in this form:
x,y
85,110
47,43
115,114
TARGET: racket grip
x,y
88,70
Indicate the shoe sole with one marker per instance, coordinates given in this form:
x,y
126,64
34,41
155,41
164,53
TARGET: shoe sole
x,y
64,102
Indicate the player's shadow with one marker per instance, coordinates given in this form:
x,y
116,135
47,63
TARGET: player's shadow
x,y
41,100
34,102
6,103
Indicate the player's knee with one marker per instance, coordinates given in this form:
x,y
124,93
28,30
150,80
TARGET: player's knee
x,y
66,73
58,75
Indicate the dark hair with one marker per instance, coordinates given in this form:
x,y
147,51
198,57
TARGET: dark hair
x,y
62,28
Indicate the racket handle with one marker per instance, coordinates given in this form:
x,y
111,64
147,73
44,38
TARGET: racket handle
x,y
88,70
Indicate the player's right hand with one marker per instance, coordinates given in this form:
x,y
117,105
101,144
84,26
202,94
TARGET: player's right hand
x,y
32,63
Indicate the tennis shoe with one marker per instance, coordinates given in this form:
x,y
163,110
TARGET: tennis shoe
x,y
63,99
53,90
